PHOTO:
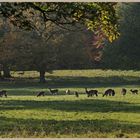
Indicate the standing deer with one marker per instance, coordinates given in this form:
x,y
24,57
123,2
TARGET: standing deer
x,y
41,93
68,91
91,92
53,91
76,94
134,91
123,92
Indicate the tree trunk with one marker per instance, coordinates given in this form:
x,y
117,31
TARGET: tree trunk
x,y
6,71
42,77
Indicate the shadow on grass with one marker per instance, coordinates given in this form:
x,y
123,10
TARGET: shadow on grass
x,y
71,128
91,81
71,81
86,105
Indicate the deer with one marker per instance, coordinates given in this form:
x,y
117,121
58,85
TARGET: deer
x,y
134,91
91,92
113,92
53,91
76,94
109,92
3,93
123,92
41,93
68,91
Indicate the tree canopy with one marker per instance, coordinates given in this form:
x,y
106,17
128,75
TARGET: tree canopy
x,y
94,15
124,52
48,23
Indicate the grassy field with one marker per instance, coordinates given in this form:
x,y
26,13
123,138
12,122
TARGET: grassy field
x,y
22,114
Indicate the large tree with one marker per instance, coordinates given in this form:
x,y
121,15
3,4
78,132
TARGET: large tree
x,y
39,17
34,53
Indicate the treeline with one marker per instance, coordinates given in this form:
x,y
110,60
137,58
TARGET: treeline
x,y
124,53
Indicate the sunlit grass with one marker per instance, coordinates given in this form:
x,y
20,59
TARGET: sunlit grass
x,y
83,73
68,116
22,114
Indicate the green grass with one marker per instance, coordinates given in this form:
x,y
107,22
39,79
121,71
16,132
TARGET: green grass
x,y
82,77
22,114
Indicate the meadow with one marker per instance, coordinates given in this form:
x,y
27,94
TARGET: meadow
x,y
23,114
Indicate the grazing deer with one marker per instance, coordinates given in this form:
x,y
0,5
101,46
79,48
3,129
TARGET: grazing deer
x,y
123,92
113,92
68,91
109,92
88,92
91,92
3,93
41,93
134,91
53,91
76,94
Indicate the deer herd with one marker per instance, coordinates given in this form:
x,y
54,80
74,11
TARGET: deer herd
x,y
90,93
